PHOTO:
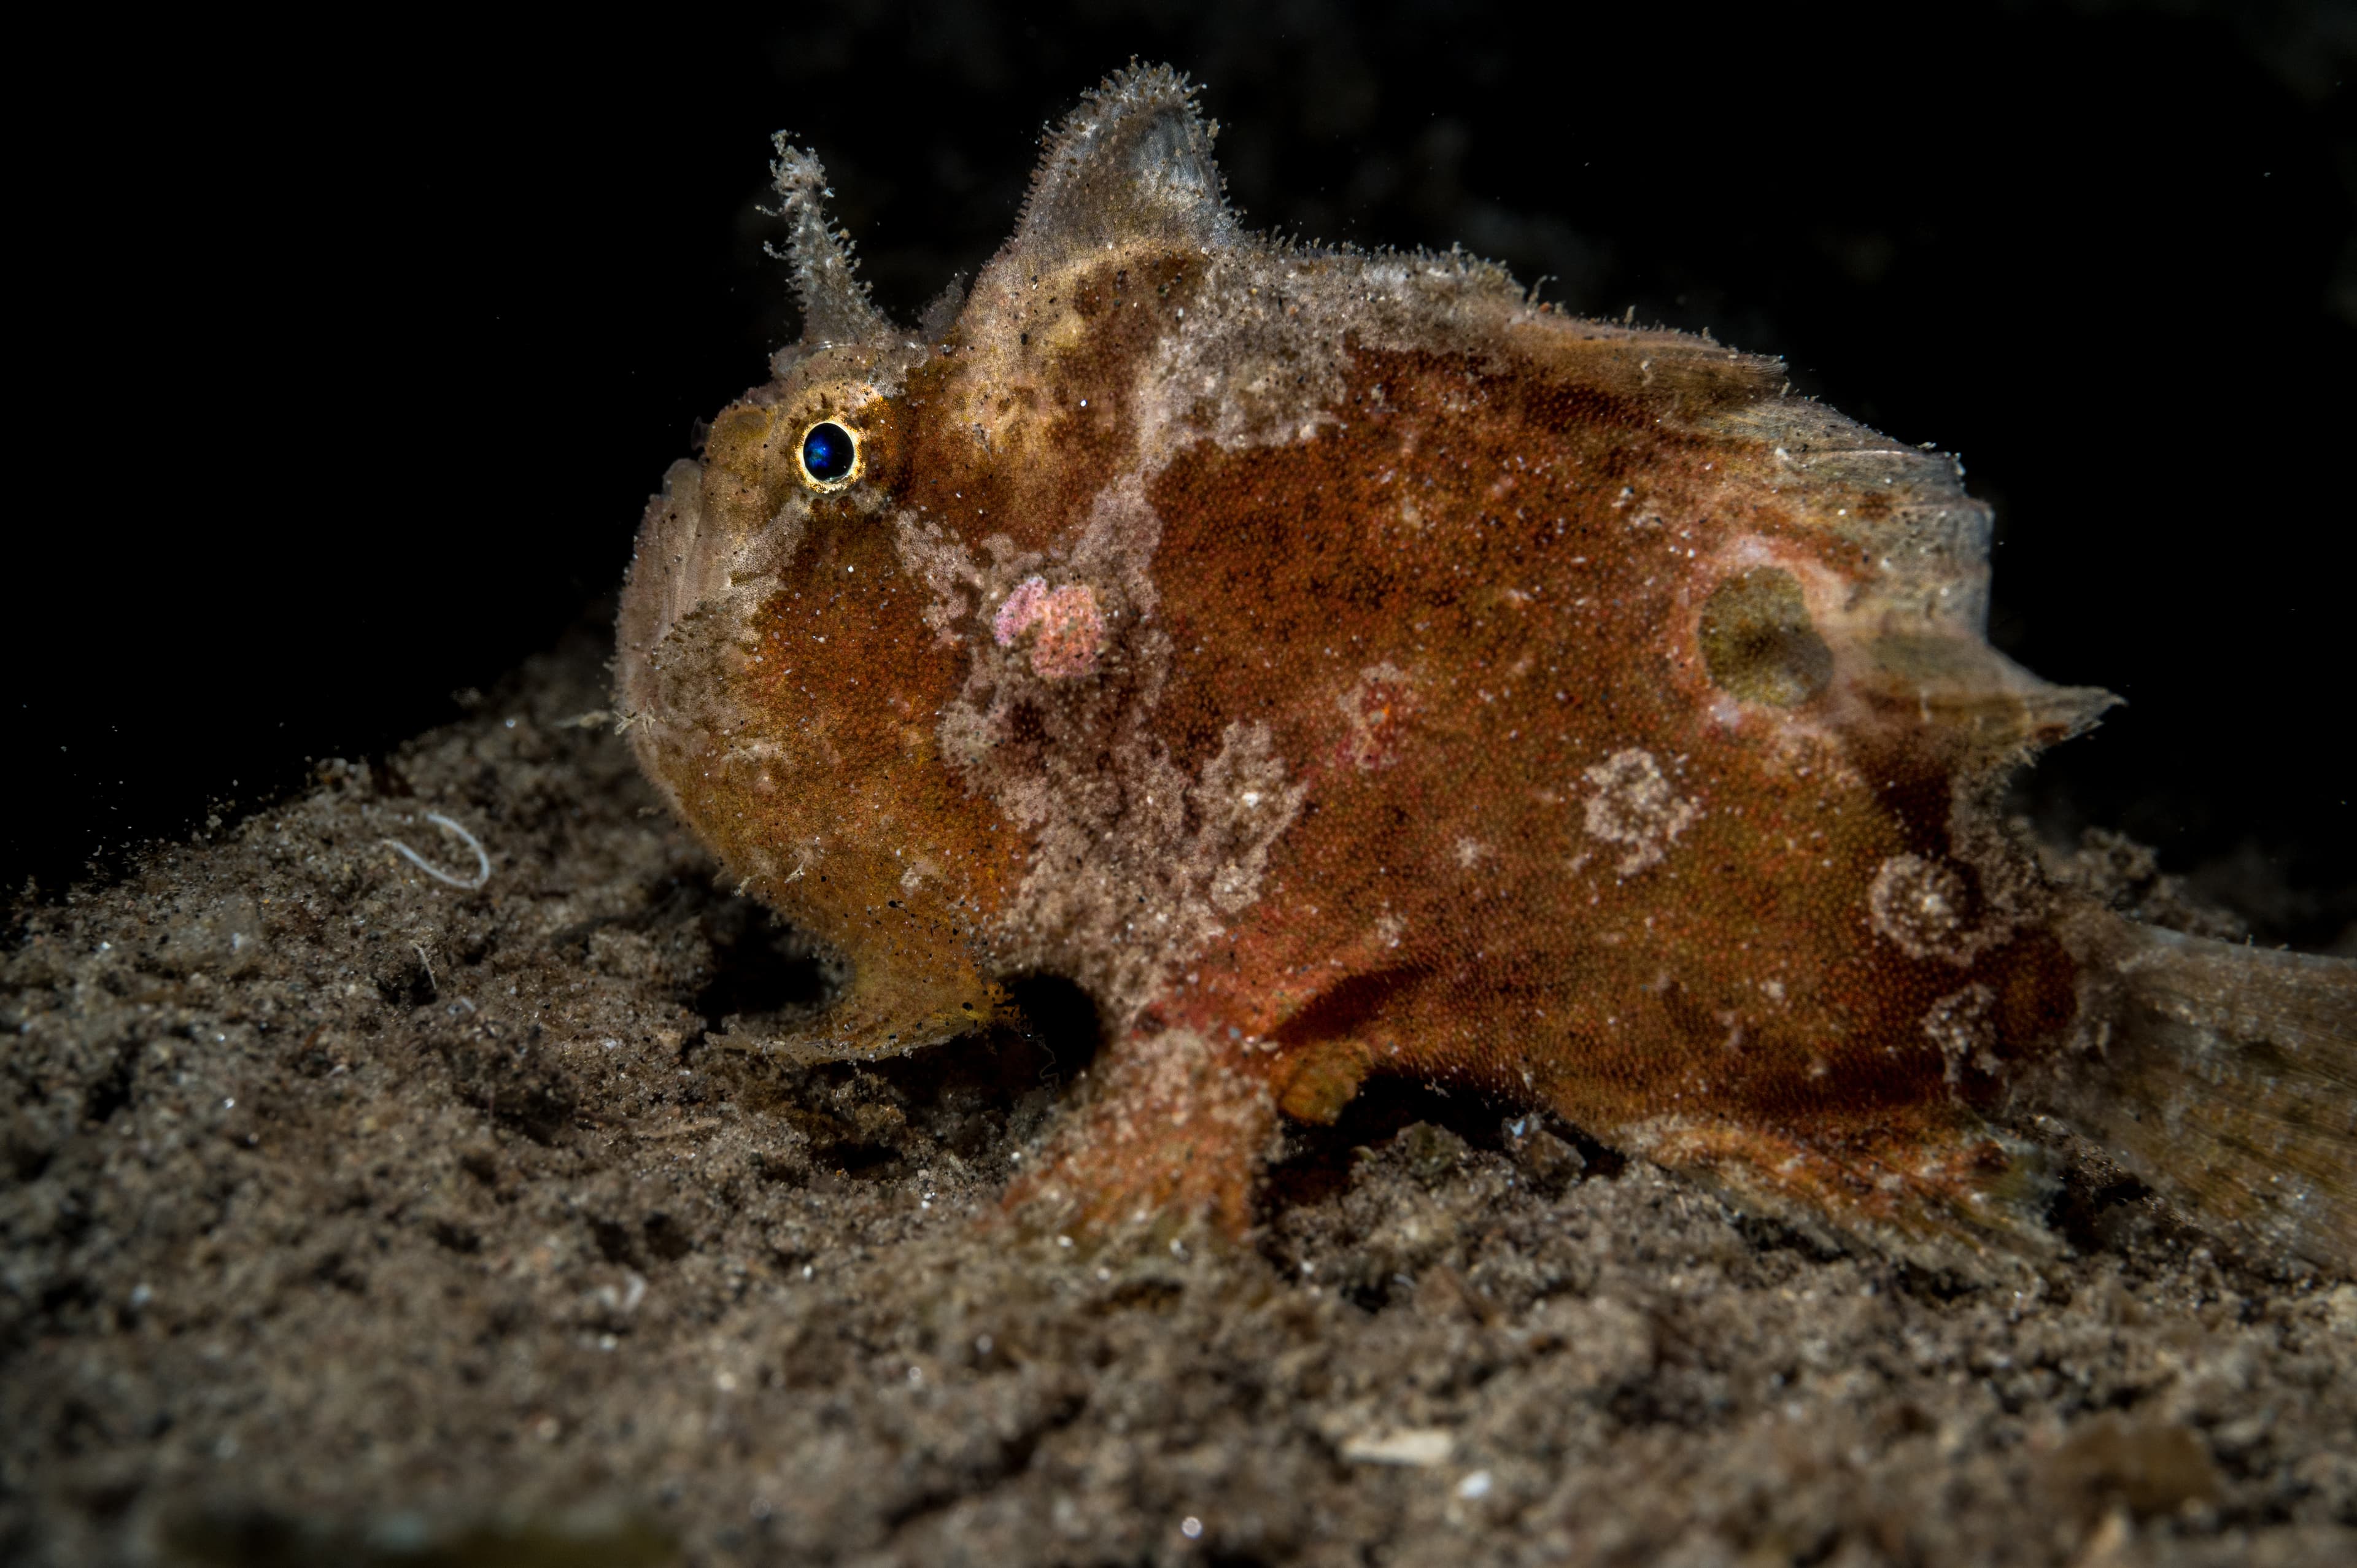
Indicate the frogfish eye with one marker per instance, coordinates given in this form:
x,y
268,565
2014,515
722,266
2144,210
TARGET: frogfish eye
x,y
829,453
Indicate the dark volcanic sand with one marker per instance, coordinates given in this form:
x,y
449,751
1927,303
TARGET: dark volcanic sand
x,y
350,1217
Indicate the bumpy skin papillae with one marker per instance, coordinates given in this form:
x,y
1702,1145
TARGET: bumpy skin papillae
x,y
1338,663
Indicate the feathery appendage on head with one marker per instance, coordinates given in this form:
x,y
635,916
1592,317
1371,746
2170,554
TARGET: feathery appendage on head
x,y
835,305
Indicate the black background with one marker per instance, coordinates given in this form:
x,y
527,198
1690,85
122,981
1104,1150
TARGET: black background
x,y
358,345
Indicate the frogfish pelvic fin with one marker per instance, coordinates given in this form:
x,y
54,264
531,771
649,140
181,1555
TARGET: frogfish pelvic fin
x,y
1336,663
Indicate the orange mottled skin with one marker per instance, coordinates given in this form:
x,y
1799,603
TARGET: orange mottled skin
x,y
1338,664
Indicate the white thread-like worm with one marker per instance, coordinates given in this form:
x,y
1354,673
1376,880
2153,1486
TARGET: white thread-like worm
x,y
482,861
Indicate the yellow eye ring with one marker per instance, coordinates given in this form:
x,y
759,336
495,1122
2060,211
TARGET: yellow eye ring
x,y
829,456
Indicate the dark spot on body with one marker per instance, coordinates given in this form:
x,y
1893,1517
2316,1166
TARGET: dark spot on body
x,y
1758,641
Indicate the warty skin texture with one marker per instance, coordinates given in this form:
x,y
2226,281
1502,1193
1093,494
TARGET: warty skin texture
x,y
1338,663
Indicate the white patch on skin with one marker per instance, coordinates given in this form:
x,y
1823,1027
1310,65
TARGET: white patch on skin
x,y
1631,803
1961,1024
1244,804
939,560
1918,903
1264,336
1923,907
1470,853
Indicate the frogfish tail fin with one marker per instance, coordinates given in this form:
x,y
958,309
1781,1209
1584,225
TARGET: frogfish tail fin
x,y
2226,1076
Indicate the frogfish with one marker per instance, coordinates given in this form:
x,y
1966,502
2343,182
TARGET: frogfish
x,y
1338,663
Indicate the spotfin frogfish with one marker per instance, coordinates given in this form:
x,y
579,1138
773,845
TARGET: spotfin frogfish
x,y
1338,663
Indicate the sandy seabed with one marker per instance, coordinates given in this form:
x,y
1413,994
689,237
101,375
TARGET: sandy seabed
x,y
353,1217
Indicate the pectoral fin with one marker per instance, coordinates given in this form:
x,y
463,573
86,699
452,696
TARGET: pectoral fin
x,y
880,1014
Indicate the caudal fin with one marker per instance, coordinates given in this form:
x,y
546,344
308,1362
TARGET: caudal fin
x,y
2226,1076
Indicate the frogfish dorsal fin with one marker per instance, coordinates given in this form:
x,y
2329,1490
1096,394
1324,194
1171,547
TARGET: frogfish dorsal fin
x,y
835,305
1133,162
1910,630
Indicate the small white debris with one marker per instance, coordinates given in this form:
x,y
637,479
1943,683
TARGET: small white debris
x,y
1421,1446
1475,1485
1191,1527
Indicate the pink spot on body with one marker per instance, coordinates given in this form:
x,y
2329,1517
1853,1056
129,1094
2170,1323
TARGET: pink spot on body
x,y
1376,712
1068,628
1021,609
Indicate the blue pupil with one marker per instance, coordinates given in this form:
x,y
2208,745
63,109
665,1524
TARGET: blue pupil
x,y
826,453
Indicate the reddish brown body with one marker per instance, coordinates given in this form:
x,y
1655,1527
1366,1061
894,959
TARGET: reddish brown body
x,y
1339,664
